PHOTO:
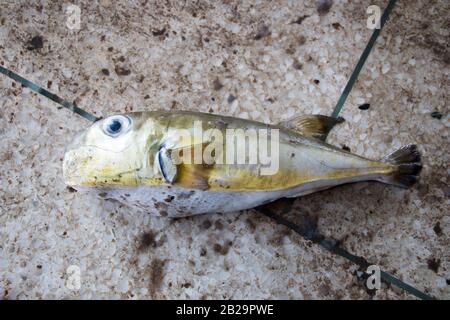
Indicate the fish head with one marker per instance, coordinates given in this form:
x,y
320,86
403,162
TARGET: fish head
x,y
112,152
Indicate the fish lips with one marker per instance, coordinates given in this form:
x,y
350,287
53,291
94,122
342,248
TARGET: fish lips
x,y
76,160
74,166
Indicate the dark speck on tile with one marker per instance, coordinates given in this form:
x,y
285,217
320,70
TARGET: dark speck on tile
x,y
263,32
299,20
434,264
364,106
147,240
206,224
160,32
437,228
121,71
231,98
323,6
218,225
37,42
436,115
156,274
336,25
217,85
222,249
297,65
70,189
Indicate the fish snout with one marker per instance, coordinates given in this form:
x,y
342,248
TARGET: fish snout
x,y
73,157
70,168
77,142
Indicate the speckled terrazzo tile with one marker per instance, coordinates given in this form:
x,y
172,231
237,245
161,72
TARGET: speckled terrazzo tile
x,y
252,59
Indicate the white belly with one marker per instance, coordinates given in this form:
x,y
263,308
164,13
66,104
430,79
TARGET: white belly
x,y
179,202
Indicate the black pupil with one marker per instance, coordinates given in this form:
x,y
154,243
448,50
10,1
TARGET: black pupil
x,y
115,126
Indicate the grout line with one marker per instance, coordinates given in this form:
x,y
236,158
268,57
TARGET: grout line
x,y
38,89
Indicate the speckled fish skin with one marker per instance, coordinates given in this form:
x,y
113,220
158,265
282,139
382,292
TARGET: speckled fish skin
x,y
123,167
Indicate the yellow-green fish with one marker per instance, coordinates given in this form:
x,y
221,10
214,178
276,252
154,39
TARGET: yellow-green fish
x,y
184,163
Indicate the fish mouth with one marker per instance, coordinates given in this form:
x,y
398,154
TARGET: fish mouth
x,y
77,166
81,167
71,170
71,174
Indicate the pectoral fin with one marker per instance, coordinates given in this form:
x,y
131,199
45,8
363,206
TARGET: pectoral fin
x,y
193,176
178,169
316,126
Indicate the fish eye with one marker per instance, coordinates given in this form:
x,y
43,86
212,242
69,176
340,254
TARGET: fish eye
x,y
116,125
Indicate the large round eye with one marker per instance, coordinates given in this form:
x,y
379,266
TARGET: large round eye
x,y
115,125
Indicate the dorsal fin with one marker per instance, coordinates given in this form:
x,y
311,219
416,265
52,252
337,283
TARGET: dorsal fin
x,y
316,126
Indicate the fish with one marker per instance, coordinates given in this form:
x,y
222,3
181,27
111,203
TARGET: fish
x,y
182,163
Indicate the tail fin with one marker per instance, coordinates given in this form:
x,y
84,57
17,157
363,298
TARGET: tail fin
x,y
407,166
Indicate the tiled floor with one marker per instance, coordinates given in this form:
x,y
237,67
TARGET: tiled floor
x,y
273,60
